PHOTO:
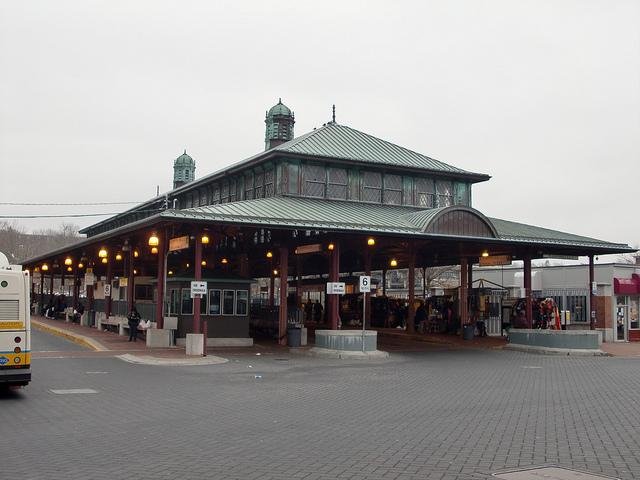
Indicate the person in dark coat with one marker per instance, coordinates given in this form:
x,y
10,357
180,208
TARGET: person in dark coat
x,y
134,319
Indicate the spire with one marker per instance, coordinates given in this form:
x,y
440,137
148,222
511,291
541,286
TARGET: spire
x,y
279,125
334,113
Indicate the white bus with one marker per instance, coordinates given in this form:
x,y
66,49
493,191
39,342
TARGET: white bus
x,y
15,325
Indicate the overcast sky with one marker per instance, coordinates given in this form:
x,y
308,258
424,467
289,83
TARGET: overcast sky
x,y
97,98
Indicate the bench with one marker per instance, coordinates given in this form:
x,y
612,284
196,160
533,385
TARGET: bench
x,y
140,329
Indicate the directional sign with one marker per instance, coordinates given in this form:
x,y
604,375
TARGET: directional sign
x,y
336,288
365,284
198,288
107,289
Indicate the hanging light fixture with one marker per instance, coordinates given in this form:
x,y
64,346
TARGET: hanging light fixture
x,y
170,272
154,241
275,272
393,262
269,254
68,261
485,254
69,269
154,250
331,246
205,239
81,265
118,256
371,241
45,267
104,260
203,263
102,253
135,272
136,254
224,260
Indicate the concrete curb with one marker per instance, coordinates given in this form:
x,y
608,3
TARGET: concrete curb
x,y
74,337
345,354
148,360
579,352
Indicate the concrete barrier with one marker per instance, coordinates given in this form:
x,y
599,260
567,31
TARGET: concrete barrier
x,y
556,341
347,344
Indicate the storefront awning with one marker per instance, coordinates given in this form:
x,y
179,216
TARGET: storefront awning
x,y
627,286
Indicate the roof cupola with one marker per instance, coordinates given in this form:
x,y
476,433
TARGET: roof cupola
x,y
184,170
279,120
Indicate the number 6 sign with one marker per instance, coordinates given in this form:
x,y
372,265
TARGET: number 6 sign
x,y
365,284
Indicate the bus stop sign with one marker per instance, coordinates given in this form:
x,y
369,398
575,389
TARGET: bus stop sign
x,y
365,284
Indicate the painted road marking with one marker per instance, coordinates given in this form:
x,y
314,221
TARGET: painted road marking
x,y
73,391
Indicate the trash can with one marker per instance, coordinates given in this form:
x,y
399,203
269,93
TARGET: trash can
x,y
294,337
468,332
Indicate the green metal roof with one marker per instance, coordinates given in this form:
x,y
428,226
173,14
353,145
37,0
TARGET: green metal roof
x,y
334,215
279,109
183,160
341,142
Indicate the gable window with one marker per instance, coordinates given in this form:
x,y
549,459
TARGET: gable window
x,y
259,179
337,180
216,194
444,190
224,197
232,190
248,186
372,187
314,180
392,189
425,193
292,178
268,183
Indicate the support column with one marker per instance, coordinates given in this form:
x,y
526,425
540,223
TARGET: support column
x,y
470,276
527,290
51,285
424,284
384,282
197,272
333,305
160,277
76,288
367,296
107,300
299,282
463,301
592,296
272,285
130,280
282,311
41,299
411,311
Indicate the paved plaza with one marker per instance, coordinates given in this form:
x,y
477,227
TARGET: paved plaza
x,y
431,414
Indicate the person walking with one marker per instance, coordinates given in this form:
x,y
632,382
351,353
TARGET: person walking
x,y
133,319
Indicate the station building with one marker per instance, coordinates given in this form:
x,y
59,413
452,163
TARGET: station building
x,y
307,210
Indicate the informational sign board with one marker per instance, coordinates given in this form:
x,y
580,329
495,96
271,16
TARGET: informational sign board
x,y
107,289
179,243
494,260
365,284
89,279
198,288
123,281
594,288
313,248
336,288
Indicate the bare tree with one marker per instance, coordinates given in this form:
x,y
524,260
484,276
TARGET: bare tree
x,y
19,245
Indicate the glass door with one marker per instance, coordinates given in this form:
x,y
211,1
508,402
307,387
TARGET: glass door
x,y
621,318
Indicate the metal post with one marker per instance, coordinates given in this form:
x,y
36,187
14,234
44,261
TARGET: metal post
x,y
130,280
41,299
197,277
282,311
366,298
161,279
462,302
364,315
107,300
527,289
411,312
592,296
334,275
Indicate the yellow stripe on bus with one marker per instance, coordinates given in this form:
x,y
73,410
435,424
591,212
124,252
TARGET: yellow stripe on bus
x,y
11,325
13,359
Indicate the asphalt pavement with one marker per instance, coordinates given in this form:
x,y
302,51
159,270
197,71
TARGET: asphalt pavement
x,y
440,414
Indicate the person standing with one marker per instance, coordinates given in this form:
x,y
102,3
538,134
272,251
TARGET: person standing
x,y
134,319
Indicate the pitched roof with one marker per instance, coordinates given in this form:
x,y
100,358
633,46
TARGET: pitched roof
x,y
335,215
345,143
